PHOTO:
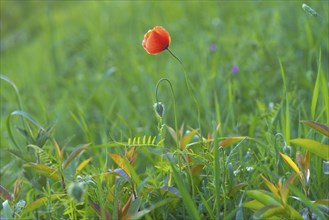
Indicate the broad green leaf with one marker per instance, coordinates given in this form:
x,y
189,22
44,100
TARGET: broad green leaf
x,y
120,162
263,197
321,150
74,154
40,202
293,213
230,140
44,170
253,205
323,129
290,162
187,138
82,165
301,197
270,211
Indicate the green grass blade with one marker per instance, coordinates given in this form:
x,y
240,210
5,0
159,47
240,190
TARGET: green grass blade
x,y
205,203
188,201
216,171
6,79
316,90
287,110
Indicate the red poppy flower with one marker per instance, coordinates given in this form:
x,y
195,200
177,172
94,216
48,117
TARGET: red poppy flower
x,y
156,40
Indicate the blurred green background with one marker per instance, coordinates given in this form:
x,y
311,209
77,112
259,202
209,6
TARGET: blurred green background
x,y
79,65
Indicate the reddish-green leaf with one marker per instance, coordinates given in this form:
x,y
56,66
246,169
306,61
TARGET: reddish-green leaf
x,y
197,168
99,211
44,170
323,129
120,162
187,138
127,206
237,188
230,140
5,194
322,150
74,154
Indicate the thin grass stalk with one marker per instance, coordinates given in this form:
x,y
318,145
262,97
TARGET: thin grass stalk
x,y
287,110
316,90
216,167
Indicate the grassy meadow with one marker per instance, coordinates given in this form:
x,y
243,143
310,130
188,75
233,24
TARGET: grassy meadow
x,y
244,134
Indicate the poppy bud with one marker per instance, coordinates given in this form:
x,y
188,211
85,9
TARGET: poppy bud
x,y
76,191
159,109
309,10
156,40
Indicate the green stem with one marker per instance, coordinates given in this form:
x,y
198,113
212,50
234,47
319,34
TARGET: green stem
x,y
173,95
188,88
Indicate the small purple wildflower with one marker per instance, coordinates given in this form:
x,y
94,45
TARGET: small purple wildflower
x,y
235,69
213,47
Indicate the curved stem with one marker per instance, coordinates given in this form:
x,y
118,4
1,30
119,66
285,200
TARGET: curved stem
x,y
187,81
173,95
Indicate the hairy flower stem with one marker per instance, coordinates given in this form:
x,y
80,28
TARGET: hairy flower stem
x,y
175,118
173,95
187,81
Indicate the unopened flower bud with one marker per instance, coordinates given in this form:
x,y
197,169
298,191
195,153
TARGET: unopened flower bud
x,y
309,10
76,191
159,109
